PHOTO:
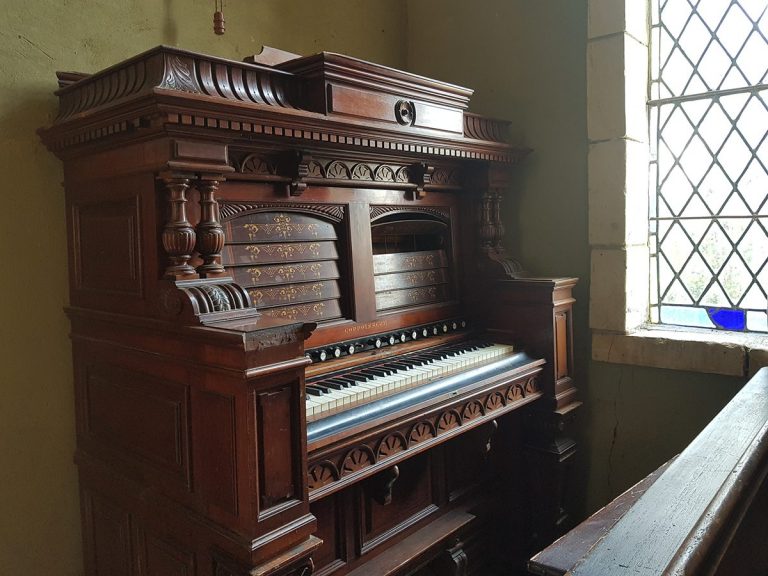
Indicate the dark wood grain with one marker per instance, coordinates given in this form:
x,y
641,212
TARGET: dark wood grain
x,y
697,515
227,222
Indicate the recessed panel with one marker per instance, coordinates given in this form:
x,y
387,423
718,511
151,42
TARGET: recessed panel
x,y
141,416
106,246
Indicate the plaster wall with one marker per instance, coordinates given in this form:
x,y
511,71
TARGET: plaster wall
x,y
527,63
39,504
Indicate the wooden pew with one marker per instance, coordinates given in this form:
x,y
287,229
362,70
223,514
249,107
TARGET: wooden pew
x,y
705,512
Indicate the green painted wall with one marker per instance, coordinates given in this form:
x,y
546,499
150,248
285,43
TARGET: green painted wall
x,y
39,514
526,61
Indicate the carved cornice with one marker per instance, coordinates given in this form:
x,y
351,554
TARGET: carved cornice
x,y
244,100
178,71
315,169
440,212
331,469
230,209
482,128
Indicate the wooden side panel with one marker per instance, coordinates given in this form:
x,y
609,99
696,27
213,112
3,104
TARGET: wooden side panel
x,y
106,246
275,441
216,457
107,535
331,530
141,416
113,241
160,557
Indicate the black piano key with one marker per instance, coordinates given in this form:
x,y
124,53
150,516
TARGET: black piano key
x,y
347,379
332,385
312,391
374,372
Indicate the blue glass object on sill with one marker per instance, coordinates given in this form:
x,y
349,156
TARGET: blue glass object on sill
x,y
728,318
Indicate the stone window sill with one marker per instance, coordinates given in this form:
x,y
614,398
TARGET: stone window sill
x,y
710,351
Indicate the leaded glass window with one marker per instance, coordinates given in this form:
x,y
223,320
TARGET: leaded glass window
x,y
709,169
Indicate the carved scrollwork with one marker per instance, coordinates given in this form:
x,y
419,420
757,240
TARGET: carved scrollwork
x,y
420,432
228,210
446,176
440,212
321,474
494,401
531,385
362,172
472,410
169,301
315,170
255,164
448,421
384,174
391,444
357,459
218,297
337,170
178,74
276,337
515,393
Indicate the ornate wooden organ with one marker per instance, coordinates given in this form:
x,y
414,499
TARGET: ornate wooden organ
x,y
298,343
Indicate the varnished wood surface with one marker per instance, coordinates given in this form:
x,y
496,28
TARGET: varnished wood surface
x,y
561,556
224,218
687,519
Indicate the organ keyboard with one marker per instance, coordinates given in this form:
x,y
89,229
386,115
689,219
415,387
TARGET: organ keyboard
x,y
269,268
342,391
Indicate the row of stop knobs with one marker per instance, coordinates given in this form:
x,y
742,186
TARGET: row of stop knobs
x,y
350,348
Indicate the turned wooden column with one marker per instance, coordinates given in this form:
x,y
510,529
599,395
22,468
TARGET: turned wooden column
x,y
493,260
210,234
178,235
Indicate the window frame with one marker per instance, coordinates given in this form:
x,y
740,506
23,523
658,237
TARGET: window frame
x,y
618,144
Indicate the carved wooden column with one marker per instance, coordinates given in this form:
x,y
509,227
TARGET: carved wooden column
x,y
210,234
178,235
493,261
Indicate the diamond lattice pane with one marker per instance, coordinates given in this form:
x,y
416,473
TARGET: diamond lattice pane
x,y
753,121
676,247
753,186
676,190
715,248
709,208
696,160
735,279
696,276
715,189
734,156
754,246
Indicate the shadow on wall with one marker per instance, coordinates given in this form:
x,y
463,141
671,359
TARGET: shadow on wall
x,y
40,517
